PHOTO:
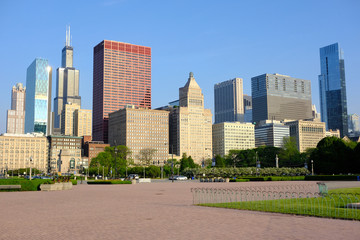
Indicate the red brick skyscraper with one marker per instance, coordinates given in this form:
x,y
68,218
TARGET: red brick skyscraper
x,y
122,76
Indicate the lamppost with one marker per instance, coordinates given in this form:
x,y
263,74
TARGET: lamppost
x,y
116,152
257,164
31,158
277,161
172,163
312,167
82,172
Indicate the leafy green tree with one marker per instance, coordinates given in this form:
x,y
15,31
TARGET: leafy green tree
x,y
219,161
290,156
332,156
267,155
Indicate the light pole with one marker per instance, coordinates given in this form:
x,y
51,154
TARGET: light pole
x,y
312,167
116,151
172,163
277,161
31,158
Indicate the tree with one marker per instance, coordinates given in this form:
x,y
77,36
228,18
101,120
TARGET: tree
x,y
186,162
333,156
290,156
219,161
145,156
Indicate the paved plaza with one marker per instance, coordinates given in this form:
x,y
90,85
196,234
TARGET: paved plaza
x,y
160,210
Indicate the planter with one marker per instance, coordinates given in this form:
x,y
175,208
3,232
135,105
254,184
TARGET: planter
x,y
56,186
133,181
227,180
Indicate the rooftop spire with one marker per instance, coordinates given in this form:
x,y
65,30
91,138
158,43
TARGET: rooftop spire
x,y
68,37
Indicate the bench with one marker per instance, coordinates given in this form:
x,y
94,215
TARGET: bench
x,y
144,180
10,187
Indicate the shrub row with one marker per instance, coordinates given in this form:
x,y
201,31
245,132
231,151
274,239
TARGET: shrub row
x,y
248,171
332,178
109,182
239,180
26,185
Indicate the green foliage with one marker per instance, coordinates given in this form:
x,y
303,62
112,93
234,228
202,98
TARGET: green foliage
x,y
109,182
333,156
186,162
241,172
239,180
331,178
219,161
26,185
112,158
74,182
153,172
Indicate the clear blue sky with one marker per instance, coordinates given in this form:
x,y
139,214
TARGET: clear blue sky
x,y
217,40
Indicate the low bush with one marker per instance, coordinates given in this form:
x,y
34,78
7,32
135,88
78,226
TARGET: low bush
x,y
74,182
332,178
109,182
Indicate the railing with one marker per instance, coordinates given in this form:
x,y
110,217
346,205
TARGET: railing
x,y
300,199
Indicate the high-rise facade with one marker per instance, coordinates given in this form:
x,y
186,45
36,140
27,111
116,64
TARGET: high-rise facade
x,y
67,82
38,117
191,124
17,149
271,133
15,121
121,76
279,97
140,129
354,124
307,133
228,97
247,108
333,103
232,136
76,121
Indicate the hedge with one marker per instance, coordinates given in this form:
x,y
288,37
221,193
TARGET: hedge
x,y
248,171
26,185
74,182
332,178
239,180
109,182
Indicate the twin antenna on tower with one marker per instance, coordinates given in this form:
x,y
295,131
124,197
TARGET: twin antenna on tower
x,y
68,37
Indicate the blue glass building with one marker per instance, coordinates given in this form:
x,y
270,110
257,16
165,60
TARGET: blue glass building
x,y
333,104
38,97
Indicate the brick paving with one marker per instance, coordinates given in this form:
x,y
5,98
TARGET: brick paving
x,y
150,211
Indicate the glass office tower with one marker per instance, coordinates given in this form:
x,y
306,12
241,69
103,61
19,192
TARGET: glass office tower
x,y
333,104
38,97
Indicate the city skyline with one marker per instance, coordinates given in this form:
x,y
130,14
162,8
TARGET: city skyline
x,y
183,39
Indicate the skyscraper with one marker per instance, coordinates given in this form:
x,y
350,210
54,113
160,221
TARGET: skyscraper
x,y
122,76
191,124
67,82
38,117
15,121
333,104
228,97
279,97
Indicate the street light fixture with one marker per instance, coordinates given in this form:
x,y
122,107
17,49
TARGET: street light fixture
x,y
312,167
31,159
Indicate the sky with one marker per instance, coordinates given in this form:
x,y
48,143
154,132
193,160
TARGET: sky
x,y
216,40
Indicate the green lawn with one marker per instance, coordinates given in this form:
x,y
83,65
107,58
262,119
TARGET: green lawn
x,y
332,205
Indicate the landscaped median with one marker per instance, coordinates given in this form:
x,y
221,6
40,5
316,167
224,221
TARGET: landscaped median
x,y
26,185
36,184
108,182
